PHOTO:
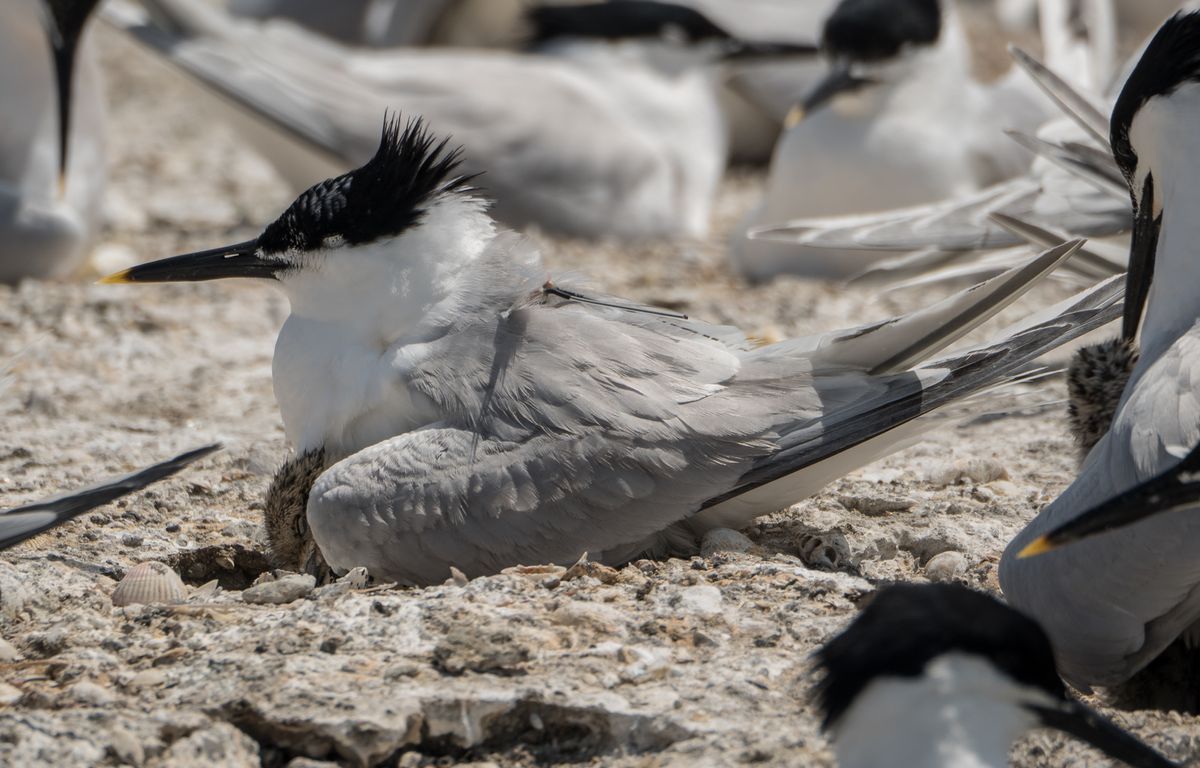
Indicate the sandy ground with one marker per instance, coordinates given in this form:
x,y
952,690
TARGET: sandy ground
x,y
682,662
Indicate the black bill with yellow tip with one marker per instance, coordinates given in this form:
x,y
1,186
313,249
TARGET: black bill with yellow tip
x,y
1086,724
238,260
1177,488
839,79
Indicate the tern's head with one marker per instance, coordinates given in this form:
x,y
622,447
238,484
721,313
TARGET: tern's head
x,y
869,42
942,675
64,21
649,21
1154,120
404,219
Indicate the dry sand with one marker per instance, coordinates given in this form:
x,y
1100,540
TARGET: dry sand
x,y
682,662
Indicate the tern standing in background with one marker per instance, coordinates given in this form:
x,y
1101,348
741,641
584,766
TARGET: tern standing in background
x,y
900,121
1113,603
477,414
622,140
51,138
940,676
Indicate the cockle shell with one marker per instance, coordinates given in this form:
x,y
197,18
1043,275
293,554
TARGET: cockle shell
x,y
149,582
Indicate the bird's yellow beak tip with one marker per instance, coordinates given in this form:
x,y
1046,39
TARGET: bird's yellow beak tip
x,y
115,278
795,116
1039,546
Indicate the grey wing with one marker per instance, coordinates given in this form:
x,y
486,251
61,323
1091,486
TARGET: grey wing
x,y
412,506
965,224
568,427
1112,602
21,523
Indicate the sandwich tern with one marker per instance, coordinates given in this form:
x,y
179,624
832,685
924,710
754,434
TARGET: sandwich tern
x,y
899,121
1111,604
1074,185
941,676
474,412
51,138
602,141
28,520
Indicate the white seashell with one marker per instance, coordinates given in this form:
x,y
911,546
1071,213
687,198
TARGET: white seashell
x,y
149,582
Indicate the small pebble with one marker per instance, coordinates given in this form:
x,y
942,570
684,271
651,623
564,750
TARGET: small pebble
x,y
703,599
356,578
126,747
968,470
876,506
7,651
87,692
131,540
9,694
457,578
724,540
285,589
946,566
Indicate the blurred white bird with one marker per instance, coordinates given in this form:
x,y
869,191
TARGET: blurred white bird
x,y
1112,603
940,676
51,138
620,140
899,121
482,415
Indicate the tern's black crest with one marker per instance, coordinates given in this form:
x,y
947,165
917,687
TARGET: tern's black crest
x,y
907,626
874,30
381,199
1171,59
621,19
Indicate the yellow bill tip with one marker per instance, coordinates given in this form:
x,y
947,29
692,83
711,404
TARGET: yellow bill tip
x,y
116,278
795,116
1039,546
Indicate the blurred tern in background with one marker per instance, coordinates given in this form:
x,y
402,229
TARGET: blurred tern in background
x,y
51,138
618,140
1112,603
28,520
474,412
899,121
754,96
940,676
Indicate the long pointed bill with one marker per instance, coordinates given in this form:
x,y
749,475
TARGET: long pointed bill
x,y
1177,488
67,17
238,260
839,79
1146,227
1086,724
747,50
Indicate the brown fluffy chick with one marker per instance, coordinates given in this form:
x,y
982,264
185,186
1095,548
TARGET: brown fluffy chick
x,y
285,517
1095,380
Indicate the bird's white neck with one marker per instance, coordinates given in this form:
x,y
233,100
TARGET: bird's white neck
x,y
961,713
330,370
1168,146
929,75
1079,38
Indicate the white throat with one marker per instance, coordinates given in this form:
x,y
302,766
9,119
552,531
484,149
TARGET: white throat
x,y
962,713
1167,144
349,308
